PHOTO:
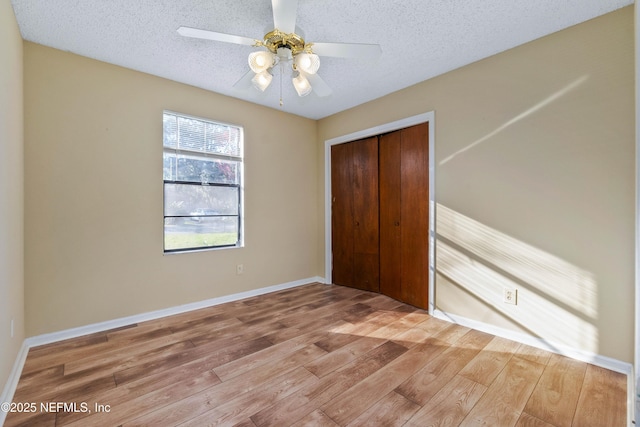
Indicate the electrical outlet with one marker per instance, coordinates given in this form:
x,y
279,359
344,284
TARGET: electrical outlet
x,y
510,296
239,269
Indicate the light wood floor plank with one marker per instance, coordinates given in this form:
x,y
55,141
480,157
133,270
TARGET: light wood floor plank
x,y
533,354
344,355
602,399
238,408
442,368
348,405
250,380
131,408
450,405
451,333
527,420
240,365
213,352
79,384
486,366
148,392
291,410
316,419
393,410
502,403
107,358
555,397
314,355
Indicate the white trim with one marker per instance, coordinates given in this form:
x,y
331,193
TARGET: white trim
x,y
377,130
14,376
636,382
581,355
631,398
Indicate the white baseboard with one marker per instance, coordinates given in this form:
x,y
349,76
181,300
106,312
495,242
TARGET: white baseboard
x,y
138,318
581,355
14,376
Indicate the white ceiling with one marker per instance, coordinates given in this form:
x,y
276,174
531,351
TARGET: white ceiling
x,y
420,39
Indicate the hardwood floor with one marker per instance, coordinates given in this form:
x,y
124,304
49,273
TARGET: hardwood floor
x,y
315,355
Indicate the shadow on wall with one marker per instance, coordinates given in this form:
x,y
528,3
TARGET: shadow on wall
x,y
557,301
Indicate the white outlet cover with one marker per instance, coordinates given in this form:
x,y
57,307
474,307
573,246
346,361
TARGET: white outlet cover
x,y
510,296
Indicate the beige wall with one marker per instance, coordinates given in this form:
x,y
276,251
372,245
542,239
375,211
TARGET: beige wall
x,y
534,184
11,191
93,209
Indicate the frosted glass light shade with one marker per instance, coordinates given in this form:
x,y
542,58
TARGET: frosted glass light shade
x,y
260,61
307,62
262,80
302,85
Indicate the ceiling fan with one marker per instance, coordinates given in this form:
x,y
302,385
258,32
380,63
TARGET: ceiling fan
x,y
284,46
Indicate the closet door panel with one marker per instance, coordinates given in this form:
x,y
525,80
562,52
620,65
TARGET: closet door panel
x,y
365,214
415,215
390,220
342,214
366,272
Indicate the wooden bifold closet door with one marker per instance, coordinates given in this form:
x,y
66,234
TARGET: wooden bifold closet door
x,y
355,232
404,215
380,214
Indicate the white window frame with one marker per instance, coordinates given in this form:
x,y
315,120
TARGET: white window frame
x,y
239,159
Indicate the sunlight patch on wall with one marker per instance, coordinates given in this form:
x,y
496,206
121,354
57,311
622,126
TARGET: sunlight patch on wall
x,y
548,100
557,301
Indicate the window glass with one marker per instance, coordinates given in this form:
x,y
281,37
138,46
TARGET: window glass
x,y
202,171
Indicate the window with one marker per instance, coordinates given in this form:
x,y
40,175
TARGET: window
x,y
202,183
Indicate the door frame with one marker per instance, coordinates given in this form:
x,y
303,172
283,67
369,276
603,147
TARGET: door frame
x,y
377,130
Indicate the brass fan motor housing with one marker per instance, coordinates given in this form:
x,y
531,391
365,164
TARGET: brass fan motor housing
x,y
277,39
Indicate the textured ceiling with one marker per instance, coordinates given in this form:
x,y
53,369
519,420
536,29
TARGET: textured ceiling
x,y
420,39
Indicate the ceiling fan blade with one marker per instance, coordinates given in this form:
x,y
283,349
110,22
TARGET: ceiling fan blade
x,y
212,35
319,86
245,81
284,15
347,50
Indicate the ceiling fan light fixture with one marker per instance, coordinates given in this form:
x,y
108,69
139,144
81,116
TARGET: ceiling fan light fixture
x,y
283,46
302,85
260,61
307,62
262,80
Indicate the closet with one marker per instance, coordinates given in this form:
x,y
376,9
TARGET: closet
x,y
380,214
